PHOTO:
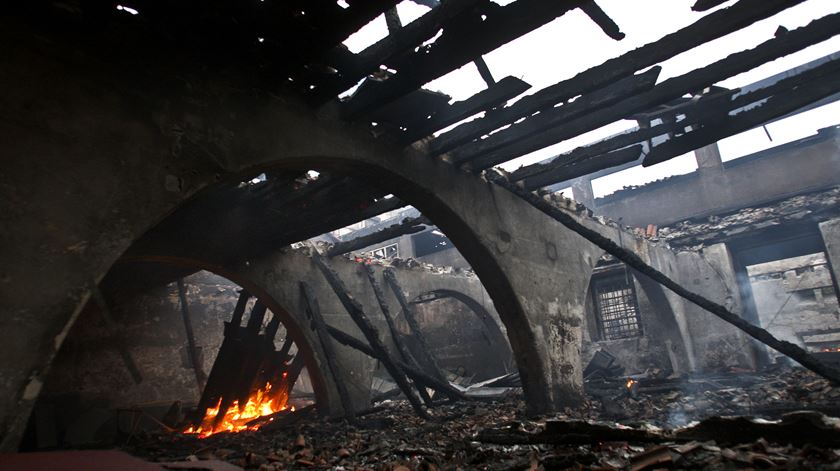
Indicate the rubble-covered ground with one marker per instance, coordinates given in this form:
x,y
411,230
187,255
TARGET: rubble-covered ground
x,y
617,428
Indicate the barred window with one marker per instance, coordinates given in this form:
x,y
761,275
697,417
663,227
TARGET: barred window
x,y
616,307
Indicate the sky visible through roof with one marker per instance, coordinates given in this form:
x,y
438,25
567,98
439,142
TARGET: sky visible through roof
x,y
573,43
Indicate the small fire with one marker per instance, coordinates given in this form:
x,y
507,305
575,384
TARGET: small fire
x,y
835,349
630,382
260,403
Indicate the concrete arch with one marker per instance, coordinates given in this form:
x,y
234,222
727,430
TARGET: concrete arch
x,y
75,200
491,327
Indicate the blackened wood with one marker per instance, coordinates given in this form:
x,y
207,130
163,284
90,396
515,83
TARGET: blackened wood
x,y
775,107
255,320
586,166
392,20
492,96
477,33
313,311
712,26
411,319
531,133
239,310
815,32
484,71
407,226
703,5
398,42
600,17
114,333
200,377
392,327
417,375
358,315
634,261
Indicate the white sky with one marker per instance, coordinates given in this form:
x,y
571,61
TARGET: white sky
x,y
573,43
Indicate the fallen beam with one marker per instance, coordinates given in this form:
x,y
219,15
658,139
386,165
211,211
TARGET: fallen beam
x,y
415,374
600,18
200,377
416,332
369,331
634,261
313,311
392,327
712,26
407,226
792,41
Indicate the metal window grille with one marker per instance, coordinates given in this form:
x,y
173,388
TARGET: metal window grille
x,y
618,311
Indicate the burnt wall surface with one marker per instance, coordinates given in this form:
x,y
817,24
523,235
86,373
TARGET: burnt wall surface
x,y
747,181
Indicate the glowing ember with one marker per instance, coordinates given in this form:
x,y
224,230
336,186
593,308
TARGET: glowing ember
x,y
261,403
630,383
836,349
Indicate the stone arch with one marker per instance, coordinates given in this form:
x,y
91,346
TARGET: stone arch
x,y
78,199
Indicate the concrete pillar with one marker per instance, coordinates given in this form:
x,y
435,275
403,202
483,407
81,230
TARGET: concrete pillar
x,y
582,192
708,158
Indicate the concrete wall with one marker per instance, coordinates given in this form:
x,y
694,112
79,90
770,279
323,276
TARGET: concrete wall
x,y
739,183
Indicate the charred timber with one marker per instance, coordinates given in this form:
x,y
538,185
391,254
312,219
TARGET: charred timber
x,y
531,127
392,327
634,261
415,374
600,18
493,96
713,26
200,377
407,226
478,33
313,311
369,331
815,32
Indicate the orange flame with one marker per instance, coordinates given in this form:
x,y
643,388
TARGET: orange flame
x,y
837,349
630,383
260,404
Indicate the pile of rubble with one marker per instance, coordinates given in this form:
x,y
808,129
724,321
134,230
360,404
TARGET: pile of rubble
x,y
643,424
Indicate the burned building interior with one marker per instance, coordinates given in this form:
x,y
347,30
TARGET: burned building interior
x,y
266,234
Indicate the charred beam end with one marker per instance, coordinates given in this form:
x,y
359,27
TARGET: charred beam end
x,y
407,226
200,377
792,41
712,26
392,328
399,41
461,45
534,133
368,330
491,97
113,331
415,374
727,125
313,311
634,261
484,71
600,17
579,169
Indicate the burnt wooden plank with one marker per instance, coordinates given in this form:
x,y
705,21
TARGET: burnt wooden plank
x,y
411,319
529,133
370,332
484,71
712,26
409,110
313,311
706,108
392,328
600,18
481,31
703,5
407,226
789,42
492,96
585,167
727,125
399,41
